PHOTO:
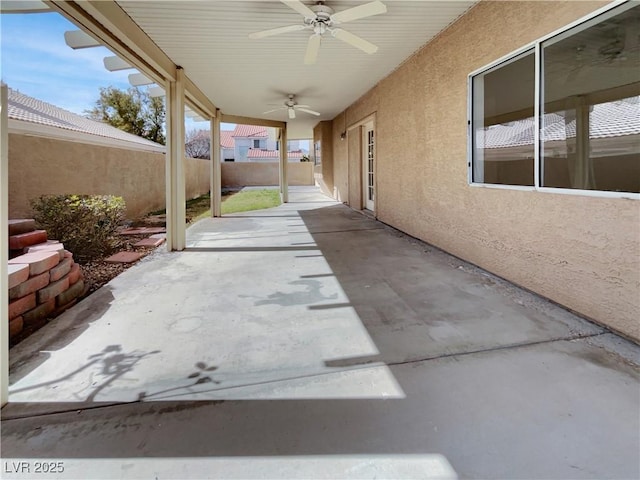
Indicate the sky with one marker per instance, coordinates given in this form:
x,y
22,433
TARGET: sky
x,y
36,61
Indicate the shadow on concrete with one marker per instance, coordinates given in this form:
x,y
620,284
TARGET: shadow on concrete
x,y
27,356
446,332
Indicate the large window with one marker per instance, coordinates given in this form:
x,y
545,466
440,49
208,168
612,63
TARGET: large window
x,y
585,134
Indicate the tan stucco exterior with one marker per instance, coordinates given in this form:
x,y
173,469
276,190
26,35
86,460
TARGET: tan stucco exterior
x,y
239,174
582,252
39,165
323,136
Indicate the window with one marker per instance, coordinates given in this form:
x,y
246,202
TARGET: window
x,y
503,99
317,150
587,125
256,144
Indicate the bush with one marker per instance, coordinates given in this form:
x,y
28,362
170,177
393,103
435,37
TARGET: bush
x,y
86,224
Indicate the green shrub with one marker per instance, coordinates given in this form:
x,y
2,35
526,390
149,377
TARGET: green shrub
x,y
86,224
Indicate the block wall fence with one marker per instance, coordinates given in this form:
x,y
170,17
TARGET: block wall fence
x,y
40,165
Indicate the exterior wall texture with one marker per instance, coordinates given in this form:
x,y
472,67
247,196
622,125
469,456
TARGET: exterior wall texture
x,y
243,174
580,251
323,133
39,166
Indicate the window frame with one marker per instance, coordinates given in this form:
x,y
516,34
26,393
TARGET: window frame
x,y
587,21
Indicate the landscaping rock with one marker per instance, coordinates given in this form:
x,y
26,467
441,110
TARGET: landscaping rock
x,y
51,291
38,262
15,326
22,240
21,305
36,316
71,294
60,270
31,285
18,273
21,225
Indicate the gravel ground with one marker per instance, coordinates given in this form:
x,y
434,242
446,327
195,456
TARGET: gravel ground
x,y
98,272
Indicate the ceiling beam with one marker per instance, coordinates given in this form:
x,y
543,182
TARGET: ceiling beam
x,y
252,121
106,21
198,99
24,6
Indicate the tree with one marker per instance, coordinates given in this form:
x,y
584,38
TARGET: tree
x,y
133,111
197,145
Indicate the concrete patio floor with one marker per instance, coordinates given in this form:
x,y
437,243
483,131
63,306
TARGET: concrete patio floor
x,y
310,341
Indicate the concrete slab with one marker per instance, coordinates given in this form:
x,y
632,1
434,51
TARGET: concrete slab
x,y
292,335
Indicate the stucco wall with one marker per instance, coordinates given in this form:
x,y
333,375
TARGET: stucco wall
x,y
582,252
323,133
263,173
39,166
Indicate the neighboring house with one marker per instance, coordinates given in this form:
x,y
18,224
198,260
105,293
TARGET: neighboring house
x,y
227,146
259,155
246,137
54,151
30,116
249,143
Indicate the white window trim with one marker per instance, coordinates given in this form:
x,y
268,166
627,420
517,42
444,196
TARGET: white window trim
x,y
537,46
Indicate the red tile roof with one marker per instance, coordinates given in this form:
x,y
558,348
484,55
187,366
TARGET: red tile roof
x,y
226,139
250,131
274,154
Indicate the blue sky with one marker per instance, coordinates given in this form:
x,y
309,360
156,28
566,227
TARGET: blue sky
x,y
36,61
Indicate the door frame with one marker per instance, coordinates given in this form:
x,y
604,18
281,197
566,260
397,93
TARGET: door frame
x,y
357,128
367,203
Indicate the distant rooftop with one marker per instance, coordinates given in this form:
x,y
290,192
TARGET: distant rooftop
x,y
250,131
226,139
24,108
272,154
611,119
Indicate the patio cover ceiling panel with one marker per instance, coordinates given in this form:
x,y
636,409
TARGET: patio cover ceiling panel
x,y
244,76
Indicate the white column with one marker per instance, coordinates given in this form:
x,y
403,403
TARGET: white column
x,y
216,171
175,176
284,166
4,247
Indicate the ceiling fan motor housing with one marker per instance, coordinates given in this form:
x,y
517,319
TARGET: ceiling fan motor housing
x,y
323,17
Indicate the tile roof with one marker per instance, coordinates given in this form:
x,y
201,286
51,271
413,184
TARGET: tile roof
x,y
28,109
226,139
612,119
250,131
274,154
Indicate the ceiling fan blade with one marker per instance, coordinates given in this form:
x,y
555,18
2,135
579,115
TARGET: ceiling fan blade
x,y
308,111
300,7
361,11
354,40
274,110
313,47
277,31
292,113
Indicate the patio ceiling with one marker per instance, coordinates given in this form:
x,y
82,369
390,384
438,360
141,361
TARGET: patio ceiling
x,y
210,40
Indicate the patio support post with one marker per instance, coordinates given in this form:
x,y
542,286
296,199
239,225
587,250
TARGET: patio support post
x,y
174,167
284,159
216,171
4,246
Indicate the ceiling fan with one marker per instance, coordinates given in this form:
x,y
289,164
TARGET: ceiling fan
x,y
291,106
322,19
